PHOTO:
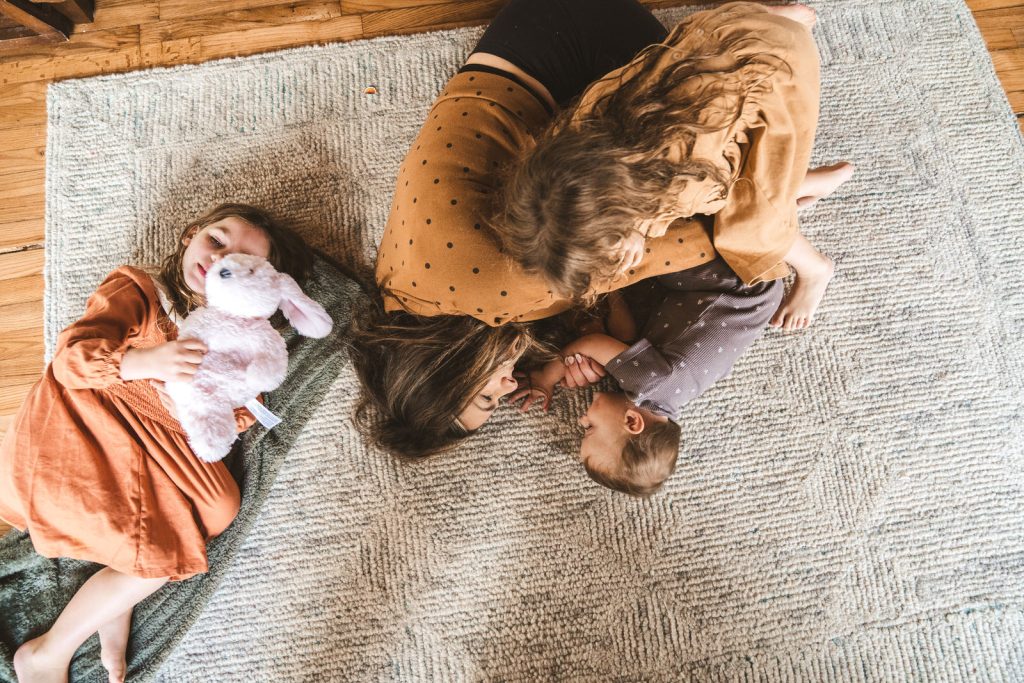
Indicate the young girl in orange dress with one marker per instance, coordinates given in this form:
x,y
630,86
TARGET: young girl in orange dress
x,y
96,466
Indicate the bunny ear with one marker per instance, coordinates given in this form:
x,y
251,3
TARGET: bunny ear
x,y
305,315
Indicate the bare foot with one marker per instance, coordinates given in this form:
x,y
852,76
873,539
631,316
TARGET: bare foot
x,y
801,13
32,664
821,182
113,644
801,301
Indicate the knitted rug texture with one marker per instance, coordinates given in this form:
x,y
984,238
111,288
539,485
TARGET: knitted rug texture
x,y
849,502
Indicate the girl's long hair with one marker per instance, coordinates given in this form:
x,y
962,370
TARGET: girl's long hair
x,y
588,180
418,373
288,252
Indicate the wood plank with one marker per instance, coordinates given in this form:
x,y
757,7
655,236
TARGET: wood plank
x,y
1016,98
21,264
117,13
24,104
14,44
982,5
190,9
232,22
276,37
20,137
1010,68
42,19
26,315
21,160
429,17
78,11
19,233
86,54
365,6
1002,29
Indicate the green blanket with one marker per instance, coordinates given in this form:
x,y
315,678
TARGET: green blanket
x,y
34,589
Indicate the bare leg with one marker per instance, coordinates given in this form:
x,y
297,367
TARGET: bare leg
x,y
813,273
113,644
106,596
801,13
821,182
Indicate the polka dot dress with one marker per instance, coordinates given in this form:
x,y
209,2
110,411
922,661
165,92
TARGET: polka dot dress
x,y
439,255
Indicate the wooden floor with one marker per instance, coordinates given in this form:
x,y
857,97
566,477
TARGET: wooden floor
x,y
136,34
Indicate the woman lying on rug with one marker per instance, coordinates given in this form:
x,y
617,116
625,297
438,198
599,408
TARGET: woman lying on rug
x,y
95,465
438,352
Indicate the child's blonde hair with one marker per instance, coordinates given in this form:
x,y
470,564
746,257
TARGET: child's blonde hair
x,y
647,460
288,252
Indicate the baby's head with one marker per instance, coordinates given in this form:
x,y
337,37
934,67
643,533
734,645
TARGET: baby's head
x,y
627,448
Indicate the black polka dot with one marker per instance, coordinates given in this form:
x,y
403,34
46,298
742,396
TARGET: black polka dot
x,y
449,145
428,221
497,320
478,136
702,254
476,271
407,183
478,92
668,263
509,88
439,127
479,310
451,288
403,223
476,226
424,162
631,272
427,266
504,293
465,113
457,99
450,245
437,180
490,104
648,250
454,202
410,241
465,169
413,200
413,283
472,78
680,240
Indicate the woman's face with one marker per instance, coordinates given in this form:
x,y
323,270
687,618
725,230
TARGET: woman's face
x,y
500,383
230,235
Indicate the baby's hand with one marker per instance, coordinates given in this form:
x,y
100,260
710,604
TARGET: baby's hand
x,y
629,252
535,389
175,361
581,371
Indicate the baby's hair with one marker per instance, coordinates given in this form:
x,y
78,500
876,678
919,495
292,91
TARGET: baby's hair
x,y
288,252
648,459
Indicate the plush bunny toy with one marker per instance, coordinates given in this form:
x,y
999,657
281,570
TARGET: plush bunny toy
x,y
245,354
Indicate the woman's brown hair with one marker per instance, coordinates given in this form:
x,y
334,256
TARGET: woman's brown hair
x,y
589,180
288,252
418,373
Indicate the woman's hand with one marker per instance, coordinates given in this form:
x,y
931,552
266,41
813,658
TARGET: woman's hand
x,y
532,395
629,252
175,361
581,371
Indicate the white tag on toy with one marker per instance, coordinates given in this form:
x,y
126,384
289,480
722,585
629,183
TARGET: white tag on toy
x,y
262,414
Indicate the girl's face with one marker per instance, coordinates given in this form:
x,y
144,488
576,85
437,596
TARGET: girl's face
x,y
230,235
501,383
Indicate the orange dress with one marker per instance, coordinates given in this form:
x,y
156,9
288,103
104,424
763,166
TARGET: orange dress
x,y
95,468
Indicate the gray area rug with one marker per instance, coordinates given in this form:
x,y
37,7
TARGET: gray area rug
x,y
848,505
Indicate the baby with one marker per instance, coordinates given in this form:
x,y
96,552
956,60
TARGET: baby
x,y
702,319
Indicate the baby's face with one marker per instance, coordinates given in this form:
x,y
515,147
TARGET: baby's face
x,y
604,431
229,235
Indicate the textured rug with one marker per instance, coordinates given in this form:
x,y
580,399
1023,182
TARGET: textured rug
x,y
848,504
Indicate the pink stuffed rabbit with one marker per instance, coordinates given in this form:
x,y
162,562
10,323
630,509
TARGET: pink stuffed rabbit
x,y
246,355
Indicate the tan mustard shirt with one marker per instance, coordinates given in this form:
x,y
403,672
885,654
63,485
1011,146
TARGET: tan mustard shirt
x,y
439,254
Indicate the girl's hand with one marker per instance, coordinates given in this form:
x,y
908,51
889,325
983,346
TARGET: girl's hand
x,y
629,252
175,361
165,398
581,371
